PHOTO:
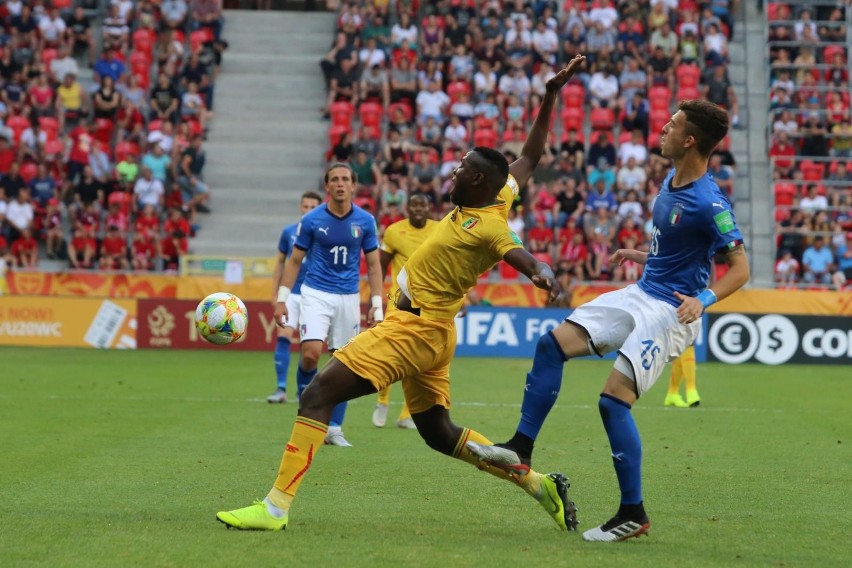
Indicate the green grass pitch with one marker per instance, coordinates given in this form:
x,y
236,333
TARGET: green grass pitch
x,y
122,458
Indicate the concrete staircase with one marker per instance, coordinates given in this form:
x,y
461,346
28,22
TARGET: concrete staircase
x,y
752,194
268,139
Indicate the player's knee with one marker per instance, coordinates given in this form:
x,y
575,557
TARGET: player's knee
x,y
314,399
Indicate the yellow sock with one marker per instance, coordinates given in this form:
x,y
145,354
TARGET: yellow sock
x,y
307,437
530,482
404,413
677,375
688,365
384,396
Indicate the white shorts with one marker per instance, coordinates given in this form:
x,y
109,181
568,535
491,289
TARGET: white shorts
x,y
294,306
332,317
642,328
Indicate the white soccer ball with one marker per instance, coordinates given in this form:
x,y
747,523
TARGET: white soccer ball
x,y
221,318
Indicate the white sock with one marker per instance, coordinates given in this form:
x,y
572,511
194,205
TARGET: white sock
x,y
334,430
273,510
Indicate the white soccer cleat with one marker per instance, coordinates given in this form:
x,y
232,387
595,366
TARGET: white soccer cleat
x,y
499,456
278,397
380,415
334,437
406,424
617,529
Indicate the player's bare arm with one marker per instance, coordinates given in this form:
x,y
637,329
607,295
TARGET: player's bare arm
x,y
291,272
375,276
738,274
622,255
539,272
277,275
522,168
385,259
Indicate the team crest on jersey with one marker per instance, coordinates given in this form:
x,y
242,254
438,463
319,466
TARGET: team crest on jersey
x,y
470,224
676,214
356,230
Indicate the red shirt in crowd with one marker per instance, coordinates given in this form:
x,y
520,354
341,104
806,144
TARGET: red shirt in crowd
x,y
82,243
82,145
7,157
113,246
539,238
24,245
147,224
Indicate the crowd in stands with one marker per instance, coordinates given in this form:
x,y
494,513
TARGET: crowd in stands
x,y
106,173
811,141
412,85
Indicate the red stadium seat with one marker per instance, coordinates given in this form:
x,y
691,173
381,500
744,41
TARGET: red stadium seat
x,y
125,149
48,55
18,124
572,118
660,97
829,51
155,126
484,123
29,170
455,88
812,171
54,148
658,119
543,257
485,137
654,139
785,193
50,126
199,37
687,93
103,131
573,96
143,40
405,108
335,132
602,119
507,271
341,113
370,114
687,75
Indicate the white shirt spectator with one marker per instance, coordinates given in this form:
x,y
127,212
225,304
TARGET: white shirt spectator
x,y
716,42
632,178
28,139
148,192
456,134
51,28
811,205
790,126
546,41
628,149
517,84
512,34
432,103
670,4
370,57
67,65
125,9
607,16
484,83
173,10
14,7
602,87
799,29
400,35
3,208
630,209
539,82
20,215
517,225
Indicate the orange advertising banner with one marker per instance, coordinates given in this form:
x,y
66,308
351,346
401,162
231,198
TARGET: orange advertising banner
x,y
41,321
793,302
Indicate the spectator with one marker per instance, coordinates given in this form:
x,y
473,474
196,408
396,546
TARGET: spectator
x,y
342,150
53,232
148,190
540,236
785,123
143,252
664,38
374,85
372,55
719,90
781,151
455,134
19,215
602,149
12,183
721,175
600,39
787,268
110,66
661,69
632,80
601,197
814,137
844,263
637,113
432,102
515,82
631,177
840,191
368,144
71,102
42,186
633,148
545,44
82,249
597,259
157,160
207,14
341,50
25,250
813,202
403,82
196,192
570,203
817,263
572,252
51,29
841,135
116,32
404,33
173,14
462,65
113,250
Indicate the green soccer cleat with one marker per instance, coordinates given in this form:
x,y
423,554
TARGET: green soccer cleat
x,y
692,399
554,499
675,400
252,518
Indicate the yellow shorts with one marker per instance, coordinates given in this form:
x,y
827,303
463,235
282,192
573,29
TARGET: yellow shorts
x,y
406,348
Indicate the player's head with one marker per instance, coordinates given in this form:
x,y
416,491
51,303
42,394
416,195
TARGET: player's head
x,y
310,200
479,177
698,126
418,208
340,182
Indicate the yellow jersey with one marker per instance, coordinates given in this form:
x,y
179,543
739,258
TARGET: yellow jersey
x,y
465,243
510,193
402,239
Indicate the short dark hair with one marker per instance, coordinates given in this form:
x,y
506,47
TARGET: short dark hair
x,y
336,165
493,165
311,195
706,122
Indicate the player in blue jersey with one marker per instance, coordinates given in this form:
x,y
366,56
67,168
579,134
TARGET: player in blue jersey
x,y
650,322
309,201
333,234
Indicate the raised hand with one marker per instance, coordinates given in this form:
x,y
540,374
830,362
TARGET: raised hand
x,y
558,81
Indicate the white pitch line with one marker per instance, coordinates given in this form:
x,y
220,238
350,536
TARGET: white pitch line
x,y
473,404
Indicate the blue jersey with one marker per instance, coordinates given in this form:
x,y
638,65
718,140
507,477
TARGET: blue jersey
x,y
691,224
285,247
335,245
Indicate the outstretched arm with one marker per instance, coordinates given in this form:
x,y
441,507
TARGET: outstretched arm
x,y
522,168
738,273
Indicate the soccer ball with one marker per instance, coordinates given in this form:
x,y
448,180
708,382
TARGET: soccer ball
x,y
221,318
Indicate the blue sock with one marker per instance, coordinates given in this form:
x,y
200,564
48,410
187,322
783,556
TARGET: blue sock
x,y
303,378
338,414
625,445
282,361
543,384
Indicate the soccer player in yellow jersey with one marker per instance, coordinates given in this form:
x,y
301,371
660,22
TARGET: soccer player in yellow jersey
x,y
415,342
400,241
